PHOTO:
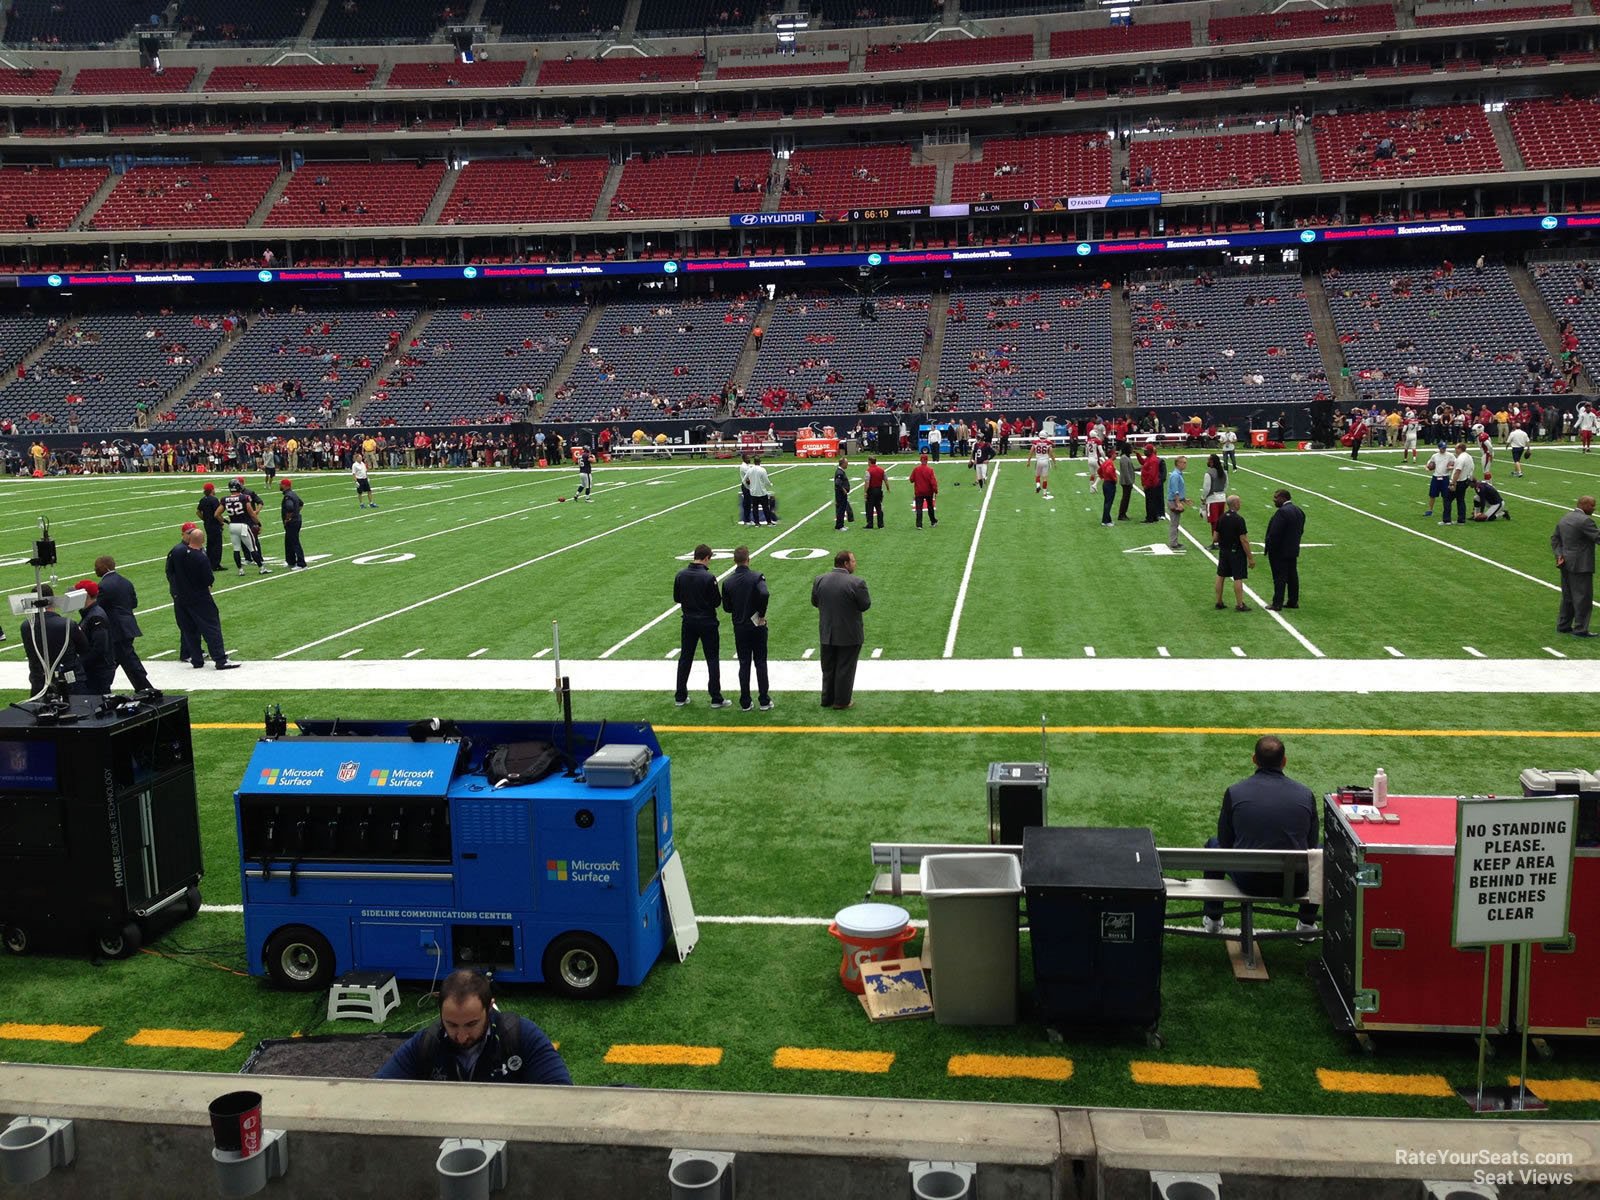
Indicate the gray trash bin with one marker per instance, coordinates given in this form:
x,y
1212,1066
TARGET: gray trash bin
x,y
972,927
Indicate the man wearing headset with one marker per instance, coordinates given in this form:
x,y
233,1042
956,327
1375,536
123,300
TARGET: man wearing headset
x,y
475,1042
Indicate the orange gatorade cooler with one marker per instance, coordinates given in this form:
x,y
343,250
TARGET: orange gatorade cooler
x,y
869,933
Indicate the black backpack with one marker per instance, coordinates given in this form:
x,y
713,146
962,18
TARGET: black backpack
x,y
521,762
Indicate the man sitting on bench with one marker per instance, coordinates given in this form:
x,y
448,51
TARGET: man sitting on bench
x,y
1267,811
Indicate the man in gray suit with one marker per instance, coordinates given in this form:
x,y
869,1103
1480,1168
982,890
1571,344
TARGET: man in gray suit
x,y
840,599
1573,543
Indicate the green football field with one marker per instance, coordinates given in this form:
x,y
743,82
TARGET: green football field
x,y
1429,651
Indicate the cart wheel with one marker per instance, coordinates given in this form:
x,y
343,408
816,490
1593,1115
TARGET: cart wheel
x,y
1154,1040
191,900
119,943
299,959
580,966
16,939
1368,1046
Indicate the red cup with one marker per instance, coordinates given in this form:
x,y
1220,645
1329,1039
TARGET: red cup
x,y
236,1123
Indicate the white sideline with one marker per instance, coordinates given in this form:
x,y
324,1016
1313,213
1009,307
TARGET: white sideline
x,y
1332,675
972,555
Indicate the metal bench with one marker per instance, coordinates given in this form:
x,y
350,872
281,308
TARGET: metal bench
x,y
1288,865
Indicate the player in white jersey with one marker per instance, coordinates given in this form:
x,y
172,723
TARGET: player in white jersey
x,y
358,472
1044,457
1094,452
1587,424
1518,440
1485,446
1409,429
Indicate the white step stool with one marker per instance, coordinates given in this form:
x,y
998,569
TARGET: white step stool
x,y
370,995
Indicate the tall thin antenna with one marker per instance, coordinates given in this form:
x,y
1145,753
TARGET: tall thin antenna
x,y
1044,741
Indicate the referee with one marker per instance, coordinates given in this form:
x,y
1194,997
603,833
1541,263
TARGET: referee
x,y
293,555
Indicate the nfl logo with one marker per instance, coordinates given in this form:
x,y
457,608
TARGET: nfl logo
x,y
347,771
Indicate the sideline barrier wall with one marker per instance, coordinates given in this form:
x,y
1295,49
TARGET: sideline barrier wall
x,y
146,1133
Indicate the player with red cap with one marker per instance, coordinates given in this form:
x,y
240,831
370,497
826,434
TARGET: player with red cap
x,y
209,510
100,659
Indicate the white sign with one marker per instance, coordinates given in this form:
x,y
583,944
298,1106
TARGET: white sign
x,y
1513,869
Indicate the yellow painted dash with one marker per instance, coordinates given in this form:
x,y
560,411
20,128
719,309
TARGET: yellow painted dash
x,y
1011,1066
185,1039
1184,1075
75,1034
664,1056
860,1062
1376,1084
1561,1089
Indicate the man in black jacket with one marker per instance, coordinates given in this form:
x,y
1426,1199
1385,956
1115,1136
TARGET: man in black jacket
x,y
293,555
99,654
209,510
745,597
1267,811
842,511
61,638
840,598
476,1042
118,599
1284,532
694,590
189,579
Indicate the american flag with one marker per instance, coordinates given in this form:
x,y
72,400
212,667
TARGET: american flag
x,y
1407,394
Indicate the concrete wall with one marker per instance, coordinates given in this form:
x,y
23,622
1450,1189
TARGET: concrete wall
x,y
145,1134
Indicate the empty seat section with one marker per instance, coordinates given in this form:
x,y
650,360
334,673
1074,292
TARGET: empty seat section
x,y
328,356
220,21
20,333
385,20
821,354
1036,168
1037,349
855,177
1556,133
948,52
877,12
1488,14
692,16
656,359
1121,39
1452,139
517,18
1569,291
1305,23
1458,334
195,197
683,185
630,68
73,22
1227,339
102,366
466,363
784,66
508,191
28,82
1223,160
481,74
131,81
357,194
52,196
343,77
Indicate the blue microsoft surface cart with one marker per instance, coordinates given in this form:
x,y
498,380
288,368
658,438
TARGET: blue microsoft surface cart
x,y
381,846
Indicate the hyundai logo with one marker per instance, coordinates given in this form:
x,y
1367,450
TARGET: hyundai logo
x,y
1549,223
1084,250
748,219
670,267
1308,235
264,276
54,281
469,272
874,260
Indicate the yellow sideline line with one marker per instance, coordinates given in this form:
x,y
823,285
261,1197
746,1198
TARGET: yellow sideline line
x,y
1113,730
1011,1066
1374,1083
624,1054
185,1039
73,1034
1560,1089
1182,1075
861,1062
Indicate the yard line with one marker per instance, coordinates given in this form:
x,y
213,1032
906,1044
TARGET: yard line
x,y
351,653
1406,529
161,654
480,650
673,653
1476,653
972,556
1503,492
1238,651
1553,652
413,653
500,574
808,652
878,652
1251,592
1088,651
1162,652
1016,652
543,652
1392,652
651,624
